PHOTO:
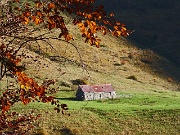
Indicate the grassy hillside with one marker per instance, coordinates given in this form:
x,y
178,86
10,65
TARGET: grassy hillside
x,y
149,98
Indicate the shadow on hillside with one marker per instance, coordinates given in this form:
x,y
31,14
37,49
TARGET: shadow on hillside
x,y
161,67
66,131
155,22
70,99
156,25
64,90
169,70
150,61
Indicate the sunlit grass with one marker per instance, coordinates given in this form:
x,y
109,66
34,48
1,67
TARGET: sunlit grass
x,y
157,113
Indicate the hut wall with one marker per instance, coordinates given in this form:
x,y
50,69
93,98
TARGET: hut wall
x,y
88,96
106,95
113,94
98,95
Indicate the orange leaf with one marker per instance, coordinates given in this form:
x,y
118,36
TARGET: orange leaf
x,y
119,33
17,8
123,29
123,25
118,23
80,24
98,40
111,14
83,29
5,108
105,22
104,32
68,37
89,16
38,94
51,5
38,21
99,17
26,20
17,61
33,18
51,24
97,44
38,4
39,13
26,101
115,33
27,14
91,41
116,27
93,23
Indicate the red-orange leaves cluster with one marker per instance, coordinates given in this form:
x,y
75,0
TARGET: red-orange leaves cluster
x,y
5,104
88,29
18,124
51,6
89,19
29,89
8,58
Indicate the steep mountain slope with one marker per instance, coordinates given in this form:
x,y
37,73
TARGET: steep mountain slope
x,y
117,61
156,24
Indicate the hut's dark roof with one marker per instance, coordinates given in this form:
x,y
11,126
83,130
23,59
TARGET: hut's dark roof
x,y
97,88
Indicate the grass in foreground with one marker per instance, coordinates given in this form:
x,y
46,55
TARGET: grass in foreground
x,y
150,113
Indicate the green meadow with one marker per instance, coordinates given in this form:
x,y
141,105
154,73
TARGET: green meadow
x,y
131,113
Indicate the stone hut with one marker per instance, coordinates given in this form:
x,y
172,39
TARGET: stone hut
x,y
95,92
